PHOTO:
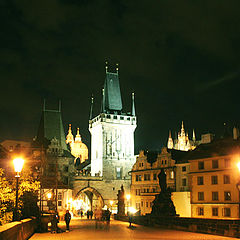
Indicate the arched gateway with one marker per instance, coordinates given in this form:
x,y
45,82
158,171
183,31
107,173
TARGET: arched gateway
x,y
88,198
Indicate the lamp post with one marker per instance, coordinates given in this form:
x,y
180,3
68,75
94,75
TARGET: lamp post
x,y
18,165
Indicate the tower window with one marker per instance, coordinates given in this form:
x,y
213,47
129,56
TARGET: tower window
x,y
226,179
200,165
200,196
227,212
184,169
118,173
215,196
200,211
214,180
214,163
200,180
184,182
227,196
215,211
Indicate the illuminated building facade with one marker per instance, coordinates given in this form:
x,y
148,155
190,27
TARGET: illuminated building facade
x,y
214,179
145,182
182,142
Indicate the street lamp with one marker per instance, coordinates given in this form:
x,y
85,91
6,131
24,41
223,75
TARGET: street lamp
x,y
18,165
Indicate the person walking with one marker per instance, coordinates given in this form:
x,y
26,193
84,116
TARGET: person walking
x,y
107,218
98,217
67,219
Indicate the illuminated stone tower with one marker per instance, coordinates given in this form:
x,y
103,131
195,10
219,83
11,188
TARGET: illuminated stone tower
x,y
112,134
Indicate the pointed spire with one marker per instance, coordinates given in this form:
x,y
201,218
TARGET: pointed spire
x,y
133,105
170,141
78,137
91,109
193,136
69,138
182,130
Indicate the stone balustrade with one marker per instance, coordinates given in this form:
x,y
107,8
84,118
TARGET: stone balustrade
x,y
19,230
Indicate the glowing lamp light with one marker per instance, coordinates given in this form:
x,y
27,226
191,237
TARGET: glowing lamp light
x,y
18,165
238,166
49,195
111,202
128,196
132,210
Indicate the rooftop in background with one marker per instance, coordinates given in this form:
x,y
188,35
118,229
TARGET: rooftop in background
x,y
218,147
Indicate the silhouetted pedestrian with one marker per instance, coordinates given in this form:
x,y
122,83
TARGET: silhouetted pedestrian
x,y
91,214
67,219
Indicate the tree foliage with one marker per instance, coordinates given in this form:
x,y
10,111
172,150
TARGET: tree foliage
x,y
27,194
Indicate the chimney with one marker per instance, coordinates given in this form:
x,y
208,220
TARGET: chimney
x,y
235,133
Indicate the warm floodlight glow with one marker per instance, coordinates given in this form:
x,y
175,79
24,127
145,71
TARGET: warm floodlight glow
x,y
238,165
111,202
49,195
18,165
132,210
128,196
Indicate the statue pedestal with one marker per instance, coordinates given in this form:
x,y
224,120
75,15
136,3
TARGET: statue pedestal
x,y
163,205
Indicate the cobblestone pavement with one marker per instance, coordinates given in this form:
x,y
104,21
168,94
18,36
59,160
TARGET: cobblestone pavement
x,y
85,229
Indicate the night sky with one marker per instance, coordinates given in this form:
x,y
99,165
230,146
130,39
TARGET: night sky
x,y
181,58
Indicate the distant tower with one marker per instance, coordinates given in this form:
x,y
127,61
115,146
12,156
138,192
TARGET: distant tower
x,y
182,141
112,134
170,141
78,148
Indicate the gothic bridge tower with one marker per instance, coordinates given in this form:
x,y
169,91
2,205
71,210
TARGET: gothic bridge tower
x,y
112,133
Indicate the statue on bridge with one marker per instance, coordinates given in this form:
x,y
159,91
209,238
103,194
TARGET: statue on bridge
x,y
121,204
163,204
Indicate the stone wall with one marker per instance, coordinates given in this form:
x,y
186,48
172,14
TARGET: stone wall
x,y
20,230
230,228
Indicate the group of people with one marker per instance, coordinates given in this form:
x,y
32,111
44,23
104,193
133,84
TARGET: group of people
x,y
101,217
89,214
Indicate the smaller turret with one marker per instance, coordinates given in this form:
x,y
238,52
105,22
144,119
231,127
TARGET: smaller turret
x,y
69,138
78,137
170,141
193,136
133,105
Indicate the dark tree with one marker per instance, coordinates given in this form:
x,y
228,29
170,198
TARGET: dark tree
x,y
29,207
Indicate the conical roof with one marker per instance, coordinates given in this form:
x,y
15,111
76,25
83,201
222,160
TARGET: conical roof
x,y
51,126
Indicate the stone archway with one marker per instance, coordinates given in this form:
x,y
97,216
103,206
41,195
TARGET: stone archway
x,y
89,199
